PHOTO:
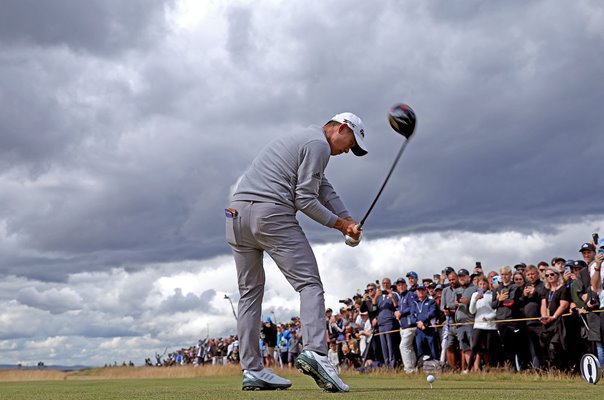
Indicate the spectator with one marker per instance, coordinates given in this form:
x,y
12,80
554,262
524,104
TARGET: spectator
x,y
519,280
542,266
332,354
366,333
553,305
295,347
387,304
521,267
403,315
201,352
596,286
370,306
448,307
507,302
412,277
484,333
269,334
423,312
533,293
284,346
464,316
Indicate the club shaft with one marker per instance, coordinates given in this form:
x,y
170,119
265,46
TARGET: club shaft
x,y
398,156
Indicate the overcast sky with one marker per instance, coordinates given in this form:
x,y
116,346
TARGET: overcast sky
x,y
124,125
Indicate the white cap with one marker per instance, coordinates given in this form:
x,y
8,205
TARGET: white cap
x,y
357,127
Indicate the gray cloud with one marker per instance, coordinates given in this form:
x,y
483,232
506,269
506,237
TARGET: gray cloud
x,y
189,302
106,26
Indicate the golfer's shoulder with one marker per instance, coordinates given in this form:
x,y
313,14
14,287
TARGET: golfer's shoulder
x,y
311,139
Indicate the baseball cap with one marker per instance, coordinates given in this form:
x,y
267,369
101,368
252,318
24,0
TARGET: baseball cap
x,y
587,246
520,265
558,259
357,127
267,319
448,270
463,271
400,280
438,287
579,264
421,287
413,274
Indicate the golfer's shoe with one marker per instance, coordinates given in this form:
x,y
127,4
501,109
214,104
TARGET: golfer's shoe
x,y
322,370
264,379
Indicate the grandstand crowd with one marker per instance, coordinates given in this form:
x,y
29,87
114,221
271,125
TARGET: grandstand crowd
x,y
527,317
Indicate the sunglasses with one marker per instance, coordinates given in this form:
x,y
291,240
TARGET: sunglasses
x,y
548,275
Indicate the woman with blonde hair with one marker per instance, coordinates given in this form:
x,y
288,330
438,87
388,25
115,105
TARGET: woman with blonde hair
x,y
484,334
553,305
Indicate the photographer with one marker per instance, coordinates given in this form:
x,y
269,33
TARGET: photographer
x,y
370,307
386,302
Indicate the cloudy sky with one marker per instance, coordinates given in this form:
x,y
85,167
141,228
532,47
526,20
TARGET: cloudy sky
x,y
124,125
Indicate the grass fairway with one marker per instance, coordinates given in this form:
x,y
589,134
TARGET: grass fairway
x,y
97,384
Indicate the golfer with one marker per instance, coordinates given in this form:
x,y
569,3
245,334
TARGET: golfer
x,y
287,176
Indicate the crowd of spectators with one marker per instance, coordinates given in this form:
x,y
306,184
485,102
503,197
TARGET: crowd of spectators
x,y
215,351
526,317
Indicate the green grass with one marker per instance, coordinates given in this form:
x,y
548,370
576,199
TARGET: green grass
x,y
375,386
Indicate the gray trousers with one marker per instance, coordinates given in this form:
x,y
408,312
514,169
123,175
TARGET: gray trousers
x,y
273,228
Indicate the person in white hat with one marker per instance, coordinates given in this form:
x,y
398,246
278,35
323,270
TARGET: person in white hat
x,y
286,177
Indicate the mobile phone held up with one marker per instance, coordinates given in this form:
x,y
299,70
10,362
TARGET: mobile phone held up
x,y
600,246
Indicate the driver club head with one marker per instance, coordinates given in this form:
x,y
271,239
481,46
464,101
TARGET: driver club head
x,y
402,119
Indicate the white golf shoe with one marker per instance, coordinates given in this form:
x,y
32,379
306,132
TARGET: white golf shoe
x,y
264,379
322,370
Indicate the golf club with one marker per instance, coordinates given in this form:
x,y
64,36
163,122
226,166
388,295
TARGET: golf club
x,y
402,119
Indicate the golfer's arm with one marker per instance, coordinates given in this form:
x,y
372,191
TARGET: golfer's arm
x,y
330,199
314,157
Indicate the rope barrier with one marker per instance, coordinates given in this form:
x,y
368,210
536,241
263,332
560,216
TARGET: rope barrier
x,y
496,321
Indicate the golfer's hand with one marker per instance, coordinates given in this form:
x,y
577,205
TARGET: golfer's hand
x,y
348,227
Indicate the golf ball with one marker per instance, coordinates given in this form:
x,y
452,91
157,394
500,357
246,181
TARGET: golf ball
x,y
430,379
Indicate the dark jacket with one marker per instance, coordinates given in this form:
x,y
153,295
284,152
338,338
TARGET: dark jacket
x,y
423,311
386,311
511,308
405,300
532,304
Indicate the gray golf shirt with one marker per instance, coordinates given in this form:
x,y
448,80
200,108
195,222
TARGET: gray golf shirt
x,y
290,171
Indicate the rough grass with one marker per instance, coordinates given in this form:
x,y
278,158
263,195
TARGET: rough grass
x,y
225,383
